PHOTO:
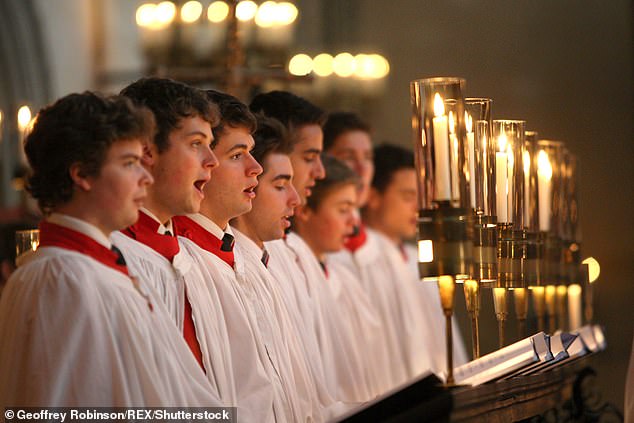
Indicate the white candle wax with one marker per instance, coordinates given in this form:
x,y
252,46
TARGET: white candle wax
x,y
574,306
455,190
544,175
510,184
527,179
471,146
441,154
501,182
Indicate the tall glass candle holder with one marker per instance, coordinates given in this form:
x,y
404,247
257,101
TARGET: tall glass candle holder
x,y
509,136
445,229
481,177
550,197
571,238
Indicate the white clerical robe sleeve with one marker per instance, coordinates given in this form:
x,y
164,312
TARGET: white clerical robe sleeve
x,y
77,333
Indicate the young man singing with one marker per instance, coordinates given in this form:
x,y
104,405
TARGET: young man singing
x,y
180,159
77,329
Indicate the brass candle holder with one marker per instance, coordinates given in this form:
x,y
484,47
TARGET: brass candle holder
x,y
551,310
446,287
521,310
538,293
472,299
501,312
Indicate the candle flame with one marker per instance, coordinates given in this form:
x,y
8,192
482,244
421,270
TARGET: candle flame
x,y
574,290
452,123
24,117
502,142
544,169
469,122
527,163
439,105
34,245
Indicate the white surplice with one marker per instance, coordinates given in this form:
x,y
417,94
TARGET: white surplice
x,y
340,353
356,308
274,319
396,304
170,280
258,383
430,297
76,332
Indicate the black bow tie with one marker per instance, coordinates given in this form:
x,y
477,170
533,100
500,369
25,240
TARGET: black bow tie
x,y
227,242
120,259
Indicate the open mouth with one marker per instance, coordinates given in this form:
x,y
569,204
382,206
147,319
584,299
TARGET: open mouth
x,y
250,192
199,185
286,221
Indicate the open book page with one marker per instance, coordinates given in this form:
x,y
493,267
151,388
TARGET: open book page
x,y
501,362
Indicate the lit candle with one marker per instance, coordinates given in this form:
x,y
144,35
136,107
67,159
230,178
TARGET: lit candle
x,y
471,146
24,119
501,179
574,306
544,175
446,287
527,179
453,143
441,151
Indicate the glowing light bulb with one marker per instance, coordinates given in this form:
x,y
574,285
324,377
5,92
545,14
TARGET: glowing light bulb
x,y
246,10
323,64
344,64
24,117
145,15
218,11
266,16
300,65
191,11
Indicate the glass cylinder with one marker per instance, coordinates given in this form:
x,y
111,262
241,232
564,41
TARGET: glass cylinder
x,y
570,221
481,166
445,230
534,238
549,202
509,138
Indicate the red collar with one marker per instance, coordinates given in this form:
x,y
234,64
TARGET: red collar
x,y
184,226
354,242
145,231
52,235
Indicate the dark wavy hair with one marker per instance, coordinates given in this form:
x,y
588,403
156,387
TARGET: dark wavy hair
x,y
389,159
170,101
270,137
233,113
342,122
338,174
78,128
293,111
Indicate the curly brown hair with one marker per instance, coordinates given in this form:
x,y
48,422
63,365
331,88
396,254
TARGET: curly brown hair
x,y
78,128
